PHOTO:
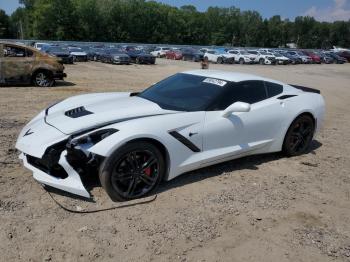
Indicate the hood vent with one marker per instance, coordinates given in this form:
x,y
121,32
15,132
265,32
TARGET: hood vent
x,y
77,112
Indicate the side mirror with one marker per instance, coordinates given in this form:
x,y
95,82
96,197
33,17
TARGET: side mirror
x,y
236,107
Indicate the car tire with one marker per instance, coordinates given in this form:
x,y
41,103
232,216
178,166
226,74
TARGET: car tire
x,y
122,174
137,60
241,61
261,61
220,60
43,78
299,136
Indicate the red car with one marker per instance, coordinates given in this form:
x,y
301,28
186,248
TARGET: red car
x,y
315,58
173,54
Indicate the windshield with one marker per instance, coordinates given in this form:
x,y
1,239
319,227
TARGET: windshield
x,y
253,52
185,92
244,53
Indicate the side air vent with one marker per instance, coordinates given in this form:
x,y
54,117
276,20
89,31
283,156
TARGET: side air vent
x,y
285,97
77,112
184,141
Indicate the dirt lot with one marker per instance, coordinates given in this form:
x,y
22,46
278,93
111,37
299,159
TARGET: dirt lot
x,y
261,208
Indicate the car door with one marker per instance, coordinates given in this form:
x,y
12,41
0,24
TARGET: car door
x,y
17,63
242,132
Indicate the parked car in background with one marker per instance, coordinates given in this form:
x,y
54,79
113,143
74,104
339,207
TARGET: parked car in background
x,y
302,57
26,65
316,59
345,54
140,57
218,57
60,52
95,54
280,58
242,56
191,54
148,49
174,54
115,56
337,59
294,59
263,58
160,51
39,45
78,54
325,58
228,58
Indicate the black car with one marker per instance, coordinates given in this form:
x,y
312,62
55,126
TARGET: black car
x,y
141,57
325,58
344,54
338,59
60,52
191,54
114,56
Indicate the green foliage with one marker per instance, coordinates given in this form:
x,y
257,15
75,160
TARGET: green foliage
x,y
4,25
152,22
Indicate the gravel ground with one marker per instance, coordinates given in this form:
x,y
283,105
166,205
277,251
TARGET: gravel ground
x,y
259,208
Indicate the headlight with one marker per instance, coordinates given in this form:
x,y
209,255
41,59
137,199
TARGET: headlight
x,y
90,138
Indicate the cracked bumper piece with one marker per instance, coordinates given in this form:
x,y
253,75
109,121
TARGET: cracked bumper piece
x,y
70,183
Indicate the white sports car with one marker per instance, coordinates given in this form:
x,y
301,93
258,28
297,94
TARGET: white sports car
x,y
133,141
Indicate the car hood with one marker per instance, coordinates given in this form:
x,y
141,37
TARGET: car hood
x,y
84,112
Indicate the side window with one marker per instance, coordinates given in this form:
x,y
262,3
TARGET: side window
x,y
273,89
248,91
12,51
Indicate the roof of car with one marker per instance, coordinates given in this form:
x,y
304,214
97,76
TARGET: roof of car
x,y
20,45
226,75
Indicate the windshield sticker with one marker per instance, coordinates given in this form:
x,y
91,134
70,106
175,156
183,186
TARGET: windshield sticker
x,y
215,81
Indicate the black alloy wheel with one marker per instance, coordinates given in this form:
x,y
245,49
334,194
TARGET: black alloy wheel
x,y
299,136
133,171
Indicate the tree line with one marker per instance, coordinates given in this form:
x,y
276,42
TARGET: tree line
x,y
143,21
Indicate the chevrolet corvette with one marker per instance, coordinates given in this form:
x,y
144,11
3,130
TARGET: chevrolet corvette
x,y
133,141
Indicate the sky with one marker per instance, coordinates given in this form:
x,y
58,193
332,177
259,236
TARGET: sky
x,y
322,10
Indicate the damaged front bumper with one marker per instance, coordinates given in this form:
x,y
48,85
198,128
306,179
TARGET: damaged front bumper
x,y
69,182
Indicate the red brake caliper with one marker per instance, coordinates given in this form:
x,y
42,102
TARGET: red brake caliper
x,y
148,170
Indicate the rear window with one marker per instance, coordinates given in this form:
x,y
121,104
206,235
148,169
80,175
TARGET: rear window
x,y
273,89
